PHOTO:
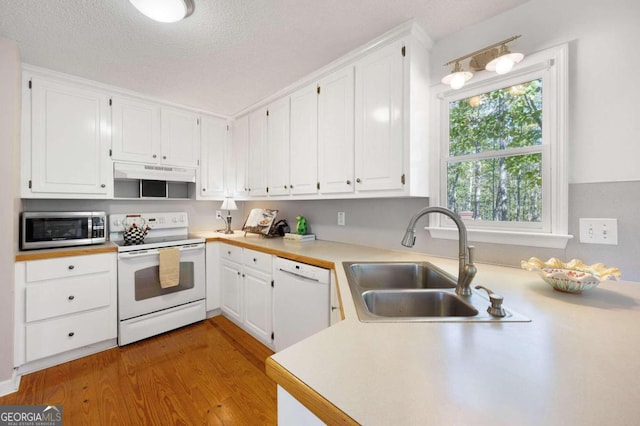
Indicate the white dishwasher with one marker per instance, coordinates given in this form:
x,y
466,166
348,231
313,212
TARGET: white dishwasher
x,y
300,301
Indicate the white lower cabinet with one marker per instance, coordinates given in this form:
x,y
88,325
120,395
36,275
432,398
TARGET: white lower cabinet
x,y
246,296
64,304
213,277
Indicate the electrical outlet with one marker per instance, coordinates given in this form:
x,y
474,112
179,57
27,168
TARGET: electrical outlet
x,y
341,218
599,231
218,214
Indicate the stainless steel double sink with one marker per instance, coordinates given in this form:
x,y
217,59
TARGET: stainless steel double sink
x,y
414,292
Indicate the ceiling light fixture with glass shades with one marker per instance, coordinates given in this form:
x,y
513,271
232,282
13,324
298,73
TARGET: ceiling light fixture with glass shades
x,y
165,10
496,57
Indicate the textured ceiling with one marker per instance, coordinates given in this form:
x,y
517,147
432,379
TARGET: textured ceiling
x,y
229,54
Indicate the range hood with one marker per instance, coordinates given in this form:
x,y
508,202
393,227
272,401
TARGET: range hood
x,y
153,172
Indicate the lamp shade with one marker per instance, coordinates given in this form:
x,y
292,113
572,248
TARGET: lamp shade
x,y
228,204
164,10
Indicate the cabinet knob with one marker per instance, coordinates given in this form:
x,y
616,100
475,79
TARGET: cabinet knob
x,y
71,334
242,275
291,186
229,252
164,157
358,180
238,273
71,297
285,187
71,267
103,186
154,156
255,260
348,182
204,189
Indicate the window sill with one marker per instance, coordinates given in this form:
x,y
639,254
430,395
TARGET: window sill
x,y
530,239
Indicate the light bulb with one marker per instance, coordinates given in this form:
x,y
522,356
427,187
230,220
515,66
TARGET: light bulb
x,y
457,81
504,65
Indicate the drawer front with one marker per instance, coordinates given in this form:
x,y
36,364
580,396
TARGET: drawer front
x,y
67,296
232,253
64,267
60,335
257,260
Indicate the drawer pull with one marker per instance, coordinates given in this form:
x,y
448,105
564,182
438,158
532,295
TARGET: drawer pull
x,y
71,267
229,252
72,334
72,297
255,260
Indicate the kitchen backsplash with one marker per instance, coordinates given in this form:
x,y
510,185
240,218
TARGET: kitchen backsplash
x,y
382,222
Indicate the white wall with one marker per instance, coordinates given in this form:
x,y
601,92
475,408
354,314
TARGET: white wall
x,y
9,201
604,127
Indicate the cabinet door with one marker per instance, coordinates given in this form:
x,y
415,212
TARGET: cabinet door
x,y
135,130
278,147
335,132
379,120
304,141
69,140
238,183
257,304
231,295
258,153
213,150
180,138
213,276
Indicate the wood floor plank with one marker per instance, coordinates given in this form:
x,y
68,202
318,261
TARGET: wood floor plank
x,y
209,373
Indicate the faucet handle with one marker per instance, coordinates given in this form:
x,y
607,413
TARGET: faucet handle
x,y
496,300
470,250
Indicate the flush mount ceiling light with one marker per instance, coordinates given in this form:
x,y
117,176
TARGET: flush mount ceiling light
x,y
495,57
164,10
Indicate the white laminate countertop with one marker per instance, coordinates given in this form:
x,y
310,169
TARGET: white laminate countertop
x,y
576,362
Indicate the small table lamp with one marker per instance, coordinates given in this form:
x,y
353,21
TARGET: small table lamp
x,y
228,204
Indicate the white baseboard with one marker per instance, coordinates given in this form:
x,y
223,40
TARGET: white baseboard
x,y
11,385
41,364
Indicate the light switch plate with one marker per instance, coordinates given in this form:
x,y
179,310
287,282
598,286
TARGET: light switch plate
x,y
341,218
599,231
218,214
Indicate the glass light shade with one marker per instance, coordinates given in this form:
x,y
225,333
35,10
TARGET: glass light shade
x,y
164,10
457,79
503,64
228,204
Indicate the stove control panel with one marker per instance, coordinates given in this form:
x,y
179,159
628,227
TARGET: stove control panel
x,y
172,220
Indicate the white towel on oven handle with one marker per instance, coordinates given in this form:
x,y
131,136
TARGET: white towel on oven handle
x,y
169,267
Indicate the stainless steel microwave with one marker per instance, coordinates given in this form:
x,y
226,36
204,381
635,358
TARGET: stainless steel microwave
x,y
40,230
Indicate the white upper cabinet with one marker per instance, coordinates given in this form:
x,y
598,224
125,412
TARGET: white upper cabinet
x,y
148,132
304,141
278,147
135,134
65,141
335,132
379,147
180,137
257,171
237,175
213,154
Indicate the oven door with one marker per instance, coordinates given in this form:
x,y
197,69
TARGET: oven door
x,y
139,290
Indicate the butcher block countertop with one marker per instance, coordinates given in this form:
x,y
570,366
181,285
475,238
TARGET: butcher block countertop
x,y
576,362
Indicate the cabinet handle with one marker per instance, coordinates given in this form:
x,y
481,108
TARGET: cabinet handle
x,y
242,275
348,182
71,267
333,308
238,273
71,334
358,180
72,297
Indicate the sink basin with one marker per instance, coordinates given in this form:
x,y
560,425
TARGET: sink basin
x,y
414,303
414,292
400,275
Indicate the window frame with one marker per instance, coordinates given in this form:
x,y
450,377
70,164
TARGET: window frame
x,y
552,66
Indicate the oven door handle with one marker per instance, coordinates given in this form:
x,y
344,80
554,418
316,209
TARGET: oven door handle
x,y
154,252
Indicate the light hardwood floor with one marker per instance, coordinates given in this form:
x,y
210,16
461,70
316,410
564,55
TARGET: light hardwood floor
x,y
208,373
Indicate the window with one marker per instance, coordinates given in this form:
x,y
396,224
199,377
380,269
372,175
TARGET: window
x,y
502,154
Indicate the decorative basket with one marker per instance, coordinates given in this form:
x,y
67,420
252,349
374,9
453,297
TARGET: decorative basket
x,y
571,277
134,230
